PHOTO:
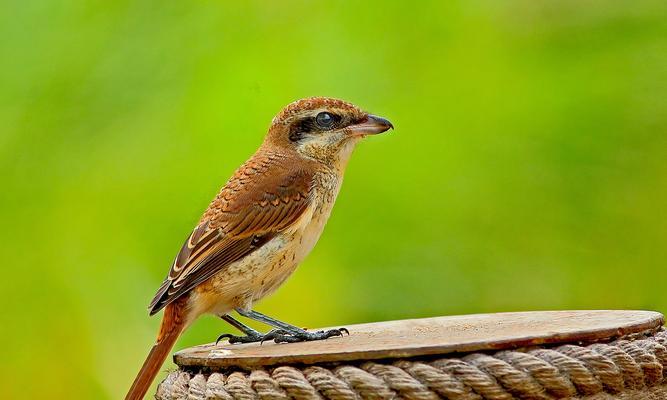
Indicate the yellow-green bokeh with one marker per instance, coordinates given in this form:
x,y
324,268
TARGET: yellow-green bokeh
x,y
527,171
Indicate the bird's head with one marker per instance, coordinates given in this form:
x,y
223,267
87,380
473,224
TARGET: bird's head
x,y
323,128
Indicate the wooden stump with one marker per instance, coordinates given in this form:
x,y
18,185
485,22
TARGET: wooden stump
x,y
532,355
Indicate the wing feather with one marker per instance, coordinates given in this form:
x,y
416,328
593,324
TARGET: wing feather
x,y
246,214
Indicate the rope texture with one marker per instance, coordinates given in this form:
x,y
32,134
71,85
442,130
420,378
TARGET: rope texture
x,y
632,368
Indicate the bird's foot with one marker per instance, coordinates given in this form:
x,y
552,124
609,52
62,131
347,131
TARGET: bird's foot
x,y
283,336
250,338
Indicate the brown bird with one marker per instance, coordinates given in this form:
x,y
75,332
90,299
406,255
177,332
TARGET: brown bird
x,y
260,226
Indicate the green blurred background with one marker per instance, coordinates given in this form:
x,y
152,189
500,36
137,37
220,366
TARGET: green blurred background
x,y
527,171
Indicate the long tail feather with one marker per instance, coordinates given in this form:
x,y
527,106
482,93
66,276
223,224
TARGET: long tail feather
x,y
170,330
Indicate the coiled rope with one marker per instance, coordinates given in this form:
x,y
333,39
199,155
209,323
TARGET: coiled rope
x,y
629,368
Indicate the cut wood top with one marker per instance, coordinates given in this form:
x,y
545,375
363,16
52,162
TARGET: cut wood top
x,y
432,336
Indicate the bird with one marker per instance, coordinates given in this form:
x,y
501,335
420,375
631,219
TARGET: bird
x,y
259,227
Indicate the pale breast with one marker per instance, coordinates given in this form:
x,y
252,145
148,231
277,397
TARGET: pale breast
x,y
312,228
301,239
259,274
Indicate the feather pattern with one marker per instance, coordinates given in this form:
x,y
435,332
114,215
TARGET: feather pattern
x,y
264,197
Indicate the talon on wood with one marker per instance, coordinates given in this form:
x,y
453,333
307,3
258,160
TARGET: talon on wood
x,y
239,339
223,336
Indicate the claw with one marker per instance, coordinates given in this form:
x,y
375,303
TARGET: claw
x,y
223,336
238,339
331,333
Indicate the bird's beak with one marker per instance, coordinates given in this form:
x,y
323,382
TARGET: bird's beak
x,y
372,125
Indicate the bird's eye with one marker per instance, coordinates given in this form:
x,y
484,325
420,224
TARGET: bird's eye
x,y
324,120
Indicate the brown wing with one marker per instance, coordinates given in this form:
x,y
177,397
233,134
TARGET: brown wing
x,y
265,196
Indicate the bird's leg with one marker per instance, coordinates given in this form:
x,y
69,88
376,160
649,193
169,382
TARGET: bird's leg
x,y
251,335
285,332
265,319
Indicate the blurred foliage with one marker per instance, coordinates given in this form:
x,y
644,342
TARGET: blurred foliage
x,y
527,170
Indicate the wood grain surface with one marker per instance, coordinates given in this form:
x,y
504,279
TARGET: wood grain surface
x,y
431,336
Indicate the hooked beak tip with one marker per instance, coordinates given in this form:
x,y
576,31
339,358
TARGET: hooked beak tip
x,y
382,121
372,126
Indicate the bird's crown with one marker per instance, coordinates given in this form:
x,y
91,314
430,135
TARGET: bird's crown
x,y
312,103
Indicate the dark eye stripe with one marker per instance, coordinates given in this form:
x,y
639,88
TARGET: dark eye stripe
x,y
319,123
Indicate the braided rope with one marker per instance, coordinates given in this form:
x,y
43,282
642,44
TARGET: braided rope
x,y
631,368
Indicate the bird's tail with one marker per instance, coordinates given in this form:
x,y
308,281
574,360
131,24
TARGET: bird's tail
x,y
171,327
